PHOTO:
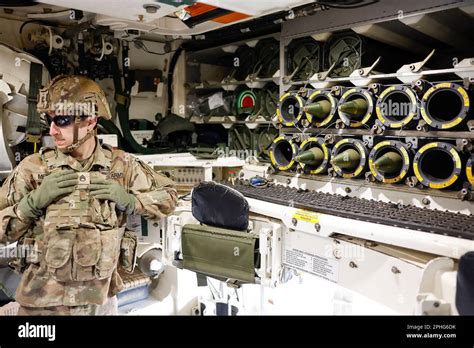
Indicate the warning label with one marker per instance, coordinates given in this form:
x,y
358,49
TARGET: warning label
x,y
317,265
307,216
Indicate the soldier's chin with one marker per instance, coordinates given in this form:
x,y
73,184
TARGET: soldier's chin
x,y
61,144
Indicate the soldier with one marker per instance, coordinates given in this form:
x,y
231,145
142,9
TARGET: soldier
x,y
70,204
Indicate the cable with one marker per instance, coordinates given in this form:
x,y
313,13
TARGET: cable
x,y
183,197
50,40
37,21
140,45
346,4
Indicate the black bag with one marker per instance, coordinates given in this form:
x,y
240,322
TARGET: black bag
x,y
220,206
465,285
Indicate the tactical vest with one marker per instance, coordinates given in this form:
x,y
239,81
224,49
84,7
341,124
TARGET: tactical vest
x,y
81,235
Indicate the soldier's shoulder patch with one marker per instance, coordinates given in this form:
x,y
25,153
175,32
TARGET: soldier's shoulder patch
x,y
31,160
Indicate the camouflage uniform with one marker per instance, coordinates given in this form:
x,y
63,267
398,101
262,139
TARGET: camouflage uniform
x,y
79,239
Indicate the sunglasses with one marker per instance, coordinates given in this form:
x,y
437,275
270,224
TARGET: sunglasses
x,y
60,121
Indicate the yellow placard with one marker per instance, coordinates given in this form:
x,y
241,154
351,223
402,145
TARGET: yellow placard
x,y
308,216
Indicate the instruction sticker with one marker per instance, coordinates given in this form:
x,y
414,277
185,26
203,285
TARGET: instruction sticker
x,y
307,216
314,264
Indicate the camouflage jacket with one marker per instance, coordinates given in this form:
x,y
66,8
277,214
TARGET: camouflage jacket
x,y
90,224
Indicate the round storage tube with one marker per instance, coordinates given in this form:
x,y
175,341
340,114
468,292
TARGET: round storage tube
x,y
313,156
469,170
320,108
445,105
283,153
389,161
355,107
437,165
396,106
290,109
349,157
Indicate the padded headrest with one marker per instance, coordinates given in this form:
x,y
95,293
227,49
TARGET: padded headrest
x,y
220,206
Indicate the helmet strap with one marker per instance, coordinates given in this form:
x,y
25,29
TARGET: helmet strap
x,y
76,143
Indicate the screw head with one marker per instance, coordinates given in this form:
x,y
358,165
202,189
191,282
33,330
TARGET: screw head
x,y
151,8
294,221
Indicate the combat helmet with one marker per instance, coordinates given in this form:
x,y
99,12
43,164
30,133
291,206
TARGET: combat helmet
x,y
77,96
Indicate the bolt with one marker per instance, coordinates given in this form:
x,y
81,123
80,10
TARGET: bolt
x,y
140,18
317,227
348,190
294,221
436,304
288,181
151,8
352,264
395,270
155,224
425,201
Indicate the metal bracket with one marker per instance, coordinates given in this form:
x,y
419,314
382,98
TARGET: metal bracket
x,y
321,78
331,139
340,124
419,86
375,88
411,181
361,77
303,92
428,304
337,91
301,137
422,126
378,128
464,145
331,172
369,177
465,194
413,142
465,68
413,71
368,140
470,125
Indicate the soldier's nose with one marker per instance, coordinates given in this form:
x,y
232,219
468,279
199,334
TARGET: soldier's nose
x,y
53,129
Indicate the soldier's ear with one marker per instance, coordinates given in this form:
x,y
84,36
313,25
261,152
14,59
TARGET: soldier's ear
x,y
93,122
